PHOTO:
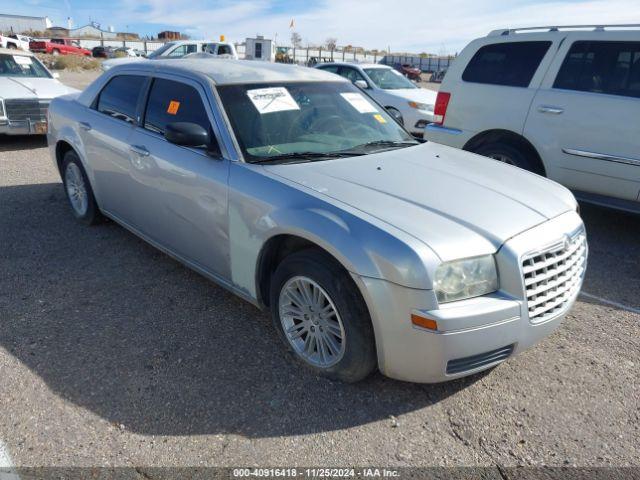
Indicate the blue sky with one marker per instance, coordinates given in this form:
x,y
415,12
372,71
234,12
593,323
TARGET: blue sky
x,y
434,26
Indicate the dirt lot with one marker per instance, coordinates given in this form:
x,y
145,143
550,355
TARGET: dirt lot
x,y
112,354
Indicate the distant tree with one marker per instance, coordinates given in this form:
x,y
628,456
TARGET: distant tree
x,y
331,43
296,40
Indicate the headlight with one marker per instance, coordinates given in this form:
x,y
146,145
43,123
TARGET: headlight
x,y
467,278
421,106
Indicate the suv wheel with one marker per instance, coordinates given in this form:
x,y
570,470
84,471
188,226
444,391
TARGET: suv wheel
x,y
78,190
321,317
507,153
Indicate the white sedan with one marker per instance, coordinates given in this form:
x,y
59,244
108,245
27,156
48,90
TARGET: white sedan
x,y
409,104
26,88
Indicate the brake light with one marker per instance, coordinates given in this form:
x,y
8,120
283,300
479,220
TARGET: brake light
x,y
440,109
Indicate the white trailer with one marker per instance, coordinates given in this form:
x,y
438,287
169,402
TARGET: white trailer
x,y
260,48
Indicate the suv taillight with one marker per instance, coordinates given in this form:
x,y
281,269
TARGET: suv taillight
x,y
440,109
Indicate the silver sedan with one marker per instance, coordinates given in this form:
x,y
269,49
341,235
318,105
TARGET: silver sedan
x,y
294,190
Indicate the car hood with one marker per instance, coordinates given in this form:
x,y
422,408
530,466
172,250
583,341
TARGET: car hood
x,y
420,95
458,203
21,87
112,62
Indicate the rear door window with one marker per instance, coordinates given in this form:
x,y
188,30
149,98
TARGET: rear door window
x,y
119,98
602,67
511,64
183,50
170,101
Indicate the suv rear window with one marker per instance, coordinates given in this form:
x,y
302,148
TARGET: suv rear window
x,y
119,98
512,64
602,67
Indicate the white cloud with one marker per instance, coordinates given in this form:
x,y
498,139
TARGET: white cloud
x,y
403,25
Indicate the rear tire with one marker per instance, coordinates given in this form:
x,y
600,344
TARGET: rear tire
x,y
332,333
511,154
78,190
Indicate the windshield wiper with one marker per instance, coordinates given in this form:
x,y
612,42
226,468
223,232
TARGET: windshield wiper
x,y
383,144
306,156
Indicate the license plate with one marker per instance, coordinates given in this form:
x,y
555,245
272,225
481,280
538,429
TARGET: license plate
x,y
41,127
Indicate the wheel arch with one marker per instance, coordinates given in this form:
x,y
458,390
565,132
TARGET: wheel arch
x,y
508,137
276,249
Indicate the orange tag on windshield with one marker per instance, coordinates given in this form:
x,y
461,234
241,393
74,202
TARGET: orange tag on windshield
x,y
173,107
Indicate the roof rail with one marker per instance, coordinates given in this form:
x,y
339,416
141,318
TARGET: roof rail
x,y
556,28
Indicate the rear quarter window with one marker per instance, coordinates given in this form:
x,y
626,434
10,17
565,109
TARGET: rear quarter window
x,y
602,67
510,64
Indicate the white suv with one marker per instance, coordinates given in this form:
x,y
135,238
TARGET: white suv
x,y
563,102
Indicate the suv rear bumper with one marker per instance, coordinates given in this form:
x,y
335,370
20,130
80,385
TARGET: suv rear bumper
x,y
452,137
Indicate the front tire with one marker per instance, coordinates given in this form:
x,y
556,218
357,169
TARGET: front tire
x,y
78,190
321,317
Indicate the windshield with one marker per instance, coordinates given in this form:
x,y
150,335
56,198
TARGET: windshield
x,y
388,79
159,51
22,66
310,118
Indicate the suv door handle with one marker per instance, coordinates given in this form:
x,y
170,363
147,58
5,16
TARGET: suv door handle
x,y
85,126
550,109
142,151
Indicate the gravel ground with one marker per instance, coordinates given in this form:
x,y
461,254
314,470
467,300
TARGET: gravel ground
x,y
113,354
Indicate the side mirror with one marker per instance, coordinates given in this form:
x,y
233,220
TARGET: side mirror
x,y
55,75
361,84
186,134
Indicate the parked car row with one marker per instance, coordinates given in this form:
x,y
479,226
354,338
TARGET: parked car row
x,y
297,190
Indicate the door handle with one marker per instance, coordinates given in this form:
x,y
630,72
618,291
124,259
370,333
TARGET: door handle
x,y
85,126
139,150
550,109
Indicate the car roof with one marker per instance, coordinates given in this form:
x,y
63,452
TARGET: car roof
x,y
354,64
225,71
13,51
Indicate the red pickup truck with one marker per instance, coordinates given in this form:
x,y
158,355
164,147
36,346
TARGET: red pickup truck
x,y
59,46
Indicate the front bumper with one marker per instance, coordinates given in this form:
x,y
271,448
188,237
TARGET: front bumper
x,y
8,127
473,335
416,120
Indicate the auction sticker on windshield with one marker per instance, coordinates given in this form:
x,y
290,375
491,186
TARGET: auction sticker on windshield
x,y
274,99
357,101
22,60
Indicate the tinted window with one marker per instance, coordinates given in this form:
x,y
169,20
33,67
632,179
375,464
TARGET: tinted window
x,y
331,68
224,50
602,67
512,64
351,74
183,50
119,97
170,102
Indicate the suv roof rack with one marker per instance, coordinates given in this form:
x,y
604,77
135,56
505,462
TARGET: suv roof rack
x,y
556,28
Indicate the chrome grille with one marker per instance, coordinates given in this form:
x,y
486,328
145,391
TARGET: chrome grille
x,y
20,110
553,277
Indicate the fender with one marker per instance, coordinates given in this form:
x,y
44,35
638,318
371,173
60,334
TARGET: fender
x,y
363,245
